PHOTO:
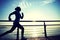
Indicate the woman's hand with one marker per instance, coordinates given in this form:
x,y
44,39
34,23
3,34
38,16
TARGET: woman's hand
x,y
22,16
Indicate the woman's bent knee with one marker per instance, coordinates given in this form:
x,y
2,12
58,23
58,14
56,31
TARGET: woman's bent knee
x,y
22,28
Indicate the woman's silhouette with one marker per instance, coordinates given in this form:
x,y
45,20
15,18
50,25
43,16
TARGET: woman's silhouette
x,y
18,16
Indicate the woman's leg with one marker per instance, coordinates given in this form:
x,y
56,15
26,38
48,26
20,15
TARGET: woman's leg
x,y
12,29
22,31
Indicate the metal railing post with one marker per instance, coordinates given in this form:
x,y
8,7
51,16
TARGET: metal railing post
x,y
45,31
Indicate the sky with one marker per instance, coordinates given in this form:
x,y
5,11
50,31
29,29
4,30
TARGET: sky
x,y
32,9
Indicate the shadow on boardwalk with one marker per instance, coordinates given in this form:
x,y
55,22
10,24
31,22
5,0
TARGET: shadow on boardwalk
x,y
39,38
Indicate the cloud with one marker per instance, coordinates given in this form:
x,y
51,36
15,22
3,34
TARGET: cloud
x,y
45,2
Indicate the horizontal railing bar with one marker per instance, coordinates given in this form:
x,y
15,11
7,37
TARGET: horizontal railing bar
x,y
36,25
48,21
12,21
32,21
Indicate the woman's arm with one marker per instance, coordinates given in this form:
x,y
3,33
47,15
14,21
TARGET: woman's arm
x,y
10,16
22,16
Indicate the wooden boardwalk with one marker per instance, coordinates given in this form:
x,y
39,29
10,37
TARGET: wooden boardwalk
x,y
39,38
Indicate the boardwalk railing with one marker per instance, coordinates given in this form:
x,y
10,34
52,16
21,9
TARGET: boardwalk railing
x,y
44,21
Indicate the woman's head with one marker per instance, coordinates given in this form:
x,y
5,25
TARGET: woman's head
x,y
18,9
